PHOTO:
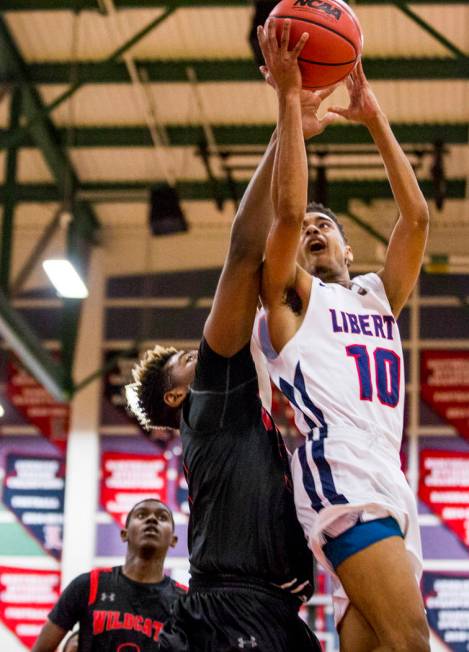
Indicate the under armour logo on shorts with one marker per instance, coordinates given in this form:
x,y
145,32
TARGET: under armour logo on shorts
x,y
250,642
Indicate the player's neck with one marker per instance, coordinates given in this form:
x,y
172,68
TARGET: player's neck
x,y
328,275
140,569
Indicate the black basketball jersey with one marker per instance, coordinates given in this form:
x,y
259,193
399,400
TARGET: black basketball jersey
x,y
243,520
116,614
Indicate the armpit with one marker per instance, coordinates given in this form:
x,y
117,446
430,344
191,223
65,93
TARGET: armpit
x,y
293,300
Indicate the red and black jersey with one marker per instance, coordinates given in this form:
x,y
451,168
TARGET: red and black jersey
x,y
243,520
116,614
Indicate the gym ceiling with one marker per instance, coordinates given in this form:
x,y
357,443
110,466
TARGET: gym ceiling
x,y
102,99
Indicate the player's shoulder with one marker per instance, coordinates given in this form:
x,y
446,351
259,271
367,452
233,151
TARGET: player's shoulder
x,y
177,587
370,281
78,588
218,373
81,580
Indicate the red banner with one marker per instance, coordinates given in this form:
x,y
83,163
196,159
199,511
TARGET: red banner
x,y
37,406
444,487
126,479
27,596
445,386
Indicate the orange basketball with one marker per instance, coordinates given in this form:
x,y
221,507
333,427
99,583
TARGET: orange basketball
x,y
335,38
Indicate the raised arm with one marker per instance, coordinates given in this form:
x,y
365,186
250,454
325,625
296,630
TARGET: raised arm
x,y
289,181
229,325
290,174
407,243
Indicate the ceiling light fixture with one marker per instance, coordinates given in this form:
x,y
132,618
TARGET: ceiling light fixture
x,y
65,279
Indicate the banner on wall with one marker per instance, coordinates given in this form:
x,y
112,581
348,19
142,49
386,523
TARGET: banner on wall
x,y
127,478
37,406
444,487
445,386
446,598
33,489
27,596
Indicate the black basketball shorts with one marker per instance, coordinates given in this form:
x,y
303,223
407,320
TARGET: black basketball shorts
x,y
239,616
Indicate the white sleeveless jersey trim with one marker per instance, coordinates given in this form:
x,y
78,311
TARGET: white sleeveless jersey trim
x,y
344,365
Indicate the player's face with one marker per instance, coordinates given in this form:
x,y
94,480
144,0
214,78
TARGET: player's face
x,y
150,527
322,250
181,368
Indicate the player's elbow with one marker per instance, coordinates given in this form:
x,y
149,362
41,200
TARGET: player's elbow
x,y
420,214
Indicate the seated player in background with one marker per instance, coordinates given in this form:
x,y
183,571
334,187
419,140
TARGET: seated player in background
x,y
335,352
125,605
250,566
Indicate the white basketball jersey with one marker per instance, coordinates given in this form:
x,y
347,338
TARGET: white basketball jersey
x,y
344,366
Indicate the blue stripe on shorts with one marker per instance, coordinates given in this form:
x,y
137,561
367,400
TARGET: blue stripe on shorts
x,y
359,537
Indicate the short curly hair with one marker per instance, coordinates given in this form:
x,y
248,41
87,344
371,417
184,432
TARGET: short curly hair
x,y
145,396
316,207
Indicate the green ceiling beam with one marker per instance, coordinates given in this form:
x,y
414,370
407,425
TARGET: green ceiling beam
x,y
425,25
339,191
223,70
55,377
6,243
24,342
17,136
257,135
73,5
43,133
363,224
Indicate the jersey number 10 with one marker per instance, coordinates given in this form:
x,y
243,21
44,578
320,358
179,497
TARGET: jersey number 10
x,y
387,366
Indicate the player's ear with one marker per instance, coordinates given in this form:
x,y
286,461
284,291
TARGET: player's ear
x,y
175,396
348,255
124,535
174,541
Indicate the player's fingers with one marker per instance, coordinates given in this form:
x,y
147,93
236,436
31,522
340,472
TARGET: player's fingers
x,y
360,73
285,35
272,35
267,76
287,585
338,110
328,119
353,77
300,44
300,588
350,83
325,92
262,39
261,35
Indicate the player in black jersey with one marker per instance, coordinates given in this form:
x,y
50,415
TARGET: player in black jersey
x,y
250,564
123,608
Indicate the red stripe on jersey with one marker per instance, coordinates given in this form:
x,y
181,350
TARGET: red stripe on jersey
x,y
94,583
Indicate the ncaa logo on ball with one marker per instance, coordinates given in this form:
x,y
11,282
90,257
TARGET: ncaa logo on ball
x,y
317,5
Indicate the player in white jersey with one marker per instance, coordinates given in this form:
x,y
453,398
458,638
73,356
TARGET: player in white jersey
x,y
333,348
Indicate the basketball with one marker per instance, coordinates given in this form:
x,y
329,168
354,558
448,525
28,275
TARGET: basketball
x,y
335,39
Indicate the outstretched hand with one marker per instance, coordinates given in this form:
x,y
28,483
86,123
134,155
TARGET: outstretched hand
x,y
281,62
310,102
363,106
